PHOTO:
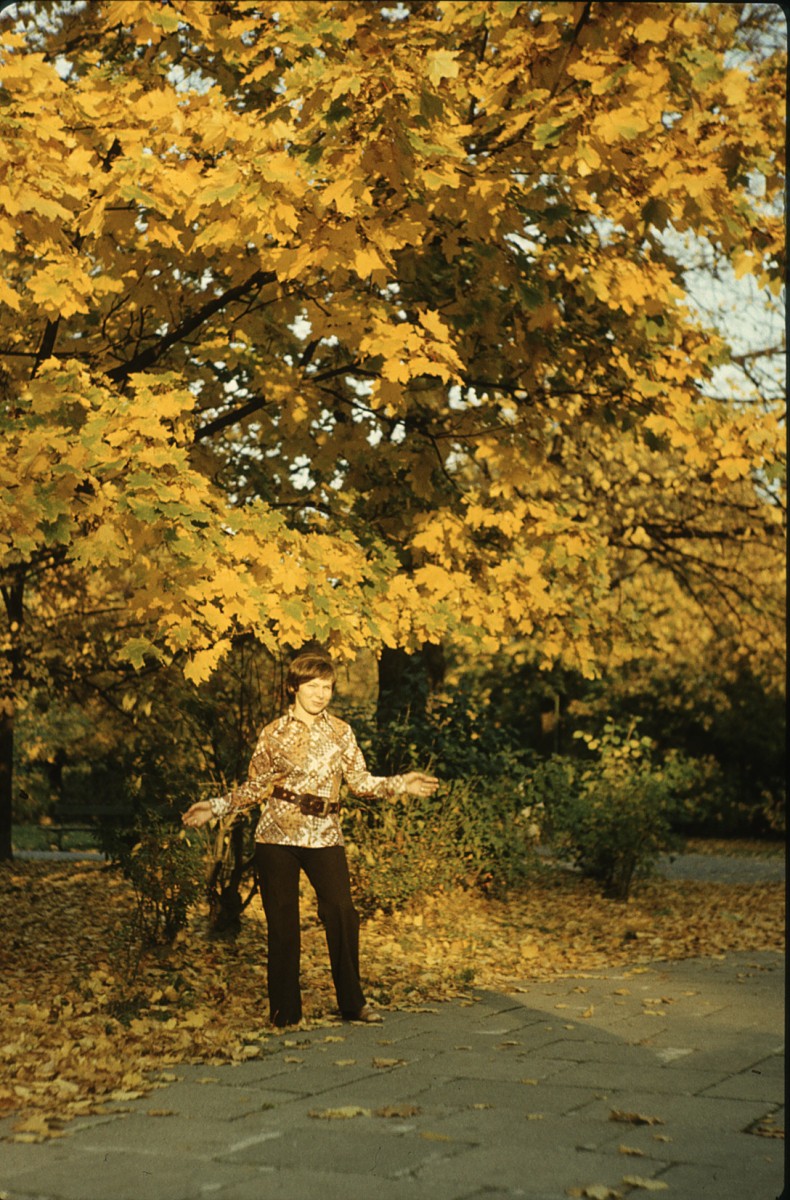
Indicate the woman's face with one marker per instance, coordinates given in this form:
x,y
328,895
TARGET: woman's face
x,y
314,695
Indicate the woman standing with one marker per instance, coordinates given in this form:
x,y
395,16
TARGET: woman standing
x,y
296,771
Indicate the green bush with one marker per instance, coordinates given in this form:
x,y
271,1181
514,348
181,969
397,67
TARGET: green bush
x,y
166,869
613,812
469,834
717,711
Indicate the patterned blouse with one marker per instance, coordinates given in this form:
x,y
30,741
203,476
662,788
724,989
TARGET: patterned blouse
x,y
306,760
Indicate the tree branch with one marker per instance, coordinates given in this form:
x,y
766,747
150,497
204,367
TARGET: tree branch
x,y
229,418
47,344
148,357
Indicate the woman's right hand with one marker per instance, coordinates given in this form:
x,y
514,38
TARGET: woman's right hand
x,y
197,814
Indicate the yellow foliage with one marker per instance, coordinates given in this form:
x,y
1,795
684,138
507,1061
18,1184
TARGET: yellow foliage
x,y
329,338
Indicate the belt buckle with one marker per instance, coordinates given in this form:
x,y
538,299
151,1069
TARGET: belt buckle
x,y
325,807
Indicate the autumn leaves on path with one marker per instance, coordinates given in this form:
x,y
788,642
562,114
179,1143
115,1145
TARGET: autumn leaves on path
x,y
84,1031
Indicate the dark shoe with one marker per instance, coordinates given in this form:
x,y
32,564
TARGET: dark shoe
x,y
278,1023
366,1014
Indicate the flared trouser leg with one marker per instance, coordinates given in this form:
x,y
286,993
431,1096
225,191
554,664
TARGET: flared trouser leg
x,y
278,870
327,870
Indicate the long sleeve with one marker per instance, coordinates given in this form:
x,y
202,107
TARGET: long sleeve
x,y
262,775
358,777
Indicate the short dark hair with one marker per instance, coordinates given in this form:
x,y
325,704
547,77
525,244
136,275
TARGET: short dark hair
x,y
305,667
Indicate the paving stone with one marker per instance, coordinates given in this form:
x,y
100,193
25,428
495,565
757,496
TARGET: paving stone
x,y
749,1085
704,1114
545,1098
682,1144
604,1075
125,1175
746,1180
458,1062
528,1167
575,1050
567,1133
518,1040
199,1138
711,1069
302,1184
726,1054
372,1146
210,1101
375,1091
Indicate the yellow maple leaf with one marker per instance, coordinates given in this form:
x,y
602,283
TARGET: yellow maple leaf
x,y
367,260
8,296
651,30
341,194
442,64
396,370
620,124
203,662
55,288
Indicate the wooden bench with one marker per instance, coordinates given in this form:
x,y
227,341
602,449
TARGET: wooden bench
x,y
76,819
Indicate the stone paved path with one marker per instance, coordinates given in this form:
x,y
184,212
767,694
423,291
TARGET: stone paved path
x,y
719,868
625,1080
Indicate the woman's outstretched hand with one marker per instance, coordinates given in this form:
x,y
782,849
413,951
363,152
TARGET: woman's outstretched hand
x,y
420,784
198,814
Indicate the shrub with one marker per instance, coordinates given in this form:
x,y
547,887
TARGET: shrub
x,y
167,872
469,833
613,812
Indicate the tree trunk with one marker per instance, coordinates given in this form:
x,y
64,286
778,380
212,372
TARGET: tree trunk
x,y
6,776
13,595
406,682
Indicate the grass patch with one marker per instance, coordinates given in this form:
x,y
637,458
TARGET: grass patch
x,y
46,837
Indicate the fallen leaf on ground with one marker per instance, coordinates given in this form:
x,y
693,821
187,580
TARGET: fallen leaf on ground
x,y
632,1118
383,1063
766,1127
339,1114
398,1110
595,1191
649,1185
33,1125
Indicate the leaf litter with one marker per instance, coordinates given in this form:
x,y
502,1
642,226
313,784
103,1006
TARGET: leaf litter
x,y
84,1034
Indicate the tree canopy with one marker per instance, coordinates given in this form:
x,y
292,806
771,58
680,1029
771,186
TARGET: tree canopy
x,y
370,324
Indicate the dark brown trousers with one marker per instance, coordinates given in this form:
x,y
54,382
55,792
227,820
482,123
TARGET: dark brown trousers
x,y
278,870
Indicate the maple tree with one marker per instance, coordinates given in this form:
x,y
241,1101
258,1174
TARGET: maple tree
x,y
364,323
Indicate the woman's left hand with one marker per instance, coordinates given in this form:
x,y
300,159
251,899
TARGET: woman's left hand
x,y
418,783
198,814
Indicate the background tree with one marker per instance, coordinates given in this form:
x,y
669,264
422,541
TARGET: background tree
x,y
368,324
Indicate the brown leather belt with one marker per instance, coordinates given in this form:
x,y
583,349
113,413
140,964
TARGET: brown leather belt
x,y
311,806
